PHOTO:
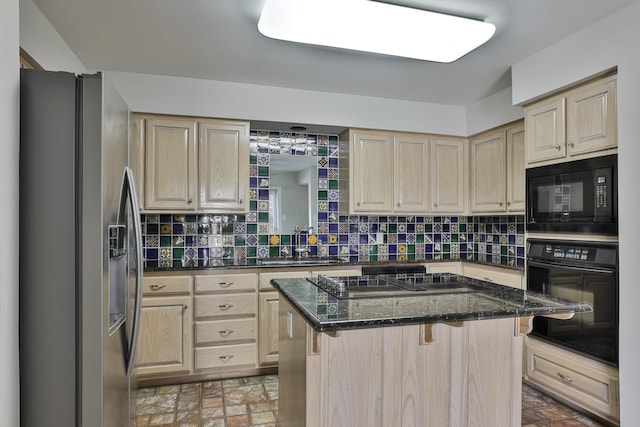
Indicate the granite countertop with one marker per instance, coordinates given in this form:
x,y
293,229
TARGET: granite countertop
x,y
458,299
255,263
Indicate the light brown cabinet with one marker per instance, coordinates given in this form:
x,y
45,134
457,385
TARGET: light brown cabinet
x,y
225,322
165,346
578,123
449,166
388,172
582,381
499,275
191,165
497,183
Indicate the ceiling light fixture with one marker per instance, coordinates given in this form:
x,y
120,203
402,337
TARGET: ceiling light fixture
x,y
373,26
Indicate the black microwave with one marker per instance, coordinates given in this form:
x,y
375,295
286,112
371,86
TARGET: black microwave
x,y
573,197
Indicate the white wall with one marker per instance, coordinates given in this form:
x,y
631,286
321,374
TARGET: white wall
x,y
9,143
612,41
175,95
492,111
40,40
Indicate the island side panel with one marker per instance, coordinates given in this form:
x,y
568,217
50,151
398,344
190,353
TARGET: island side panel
x,y
292,367
494,377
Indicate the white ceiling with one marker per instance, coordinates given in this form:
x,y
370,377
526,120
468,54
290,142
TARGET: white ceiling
x,y
219,40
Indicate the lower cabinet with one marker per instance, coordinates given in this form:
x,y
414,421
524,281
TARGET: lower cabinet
x,y
499,275
572,378
165,345
225,322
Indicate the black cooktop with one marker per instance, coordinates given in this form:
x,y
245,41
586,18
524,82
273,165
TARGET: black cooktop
x,y
386,285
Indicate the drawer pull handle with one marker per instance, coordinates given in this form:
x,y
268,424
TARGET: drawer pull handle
x,y
225,284
157,287
226,332
565,378
225,306
226,358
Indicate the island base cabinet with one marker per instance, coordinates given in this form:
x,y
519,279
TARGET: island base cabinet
x,y
466,374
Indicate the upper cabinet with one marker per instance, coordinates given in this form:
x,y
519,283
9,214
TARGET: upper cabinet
x,y
170,165
387,172
371,166
224,166
410,173
579,123
449,166
497,171
191,165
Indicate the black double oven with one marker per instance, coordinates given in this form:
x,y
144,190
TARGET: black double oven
x,y
576,199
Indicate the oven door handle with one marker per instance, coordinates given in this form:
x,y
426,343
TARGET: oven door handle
x,y
570,267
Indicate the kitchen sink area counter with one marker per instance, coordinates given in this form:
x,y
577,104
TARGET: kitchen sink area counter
x,y
388,300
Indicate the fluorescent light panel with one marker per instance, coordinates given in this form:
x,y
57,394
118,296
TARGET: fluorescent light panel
x,y
373,27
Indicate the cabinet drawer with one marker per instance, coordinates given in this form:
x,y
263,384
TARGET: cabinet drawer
x,y
226,282
165,285
265,278
221,331
225,305
225,356
593,388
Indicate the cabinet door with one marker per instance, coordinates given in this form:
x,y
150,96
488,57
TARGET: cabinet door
x,y
171,178
516,188
591,117
371,172
488,173
448,175
165,340
268,338
224,166
546,130
411,169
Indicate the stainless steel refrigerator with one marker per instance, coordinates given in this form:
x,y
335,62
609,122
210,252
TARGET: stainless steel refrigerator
x,y
80,253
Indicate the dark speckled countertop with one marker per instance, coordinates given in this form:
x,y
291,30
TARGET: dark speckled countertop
x,y
459,299
253,263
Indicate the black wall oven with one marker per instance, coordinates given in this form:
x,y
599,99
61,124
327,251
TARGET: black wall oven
x,y
578,196
579,271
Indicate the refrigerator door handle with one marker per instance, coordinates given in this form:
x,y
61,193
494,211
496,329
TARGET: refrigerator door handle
x,y
129,192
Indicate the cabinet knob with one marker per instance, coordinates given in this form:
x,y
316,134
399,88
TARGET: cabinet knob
x,y
501,203
508,203
157,287
435,204
190,201
358,203
557,147
241,201
570,144
225,306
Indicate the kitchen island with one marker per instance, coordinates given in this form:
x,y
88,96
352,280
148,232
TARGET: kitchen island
x,y
426,350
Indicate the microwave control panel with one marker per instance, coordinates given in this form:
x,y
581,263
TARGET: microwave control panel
x,y
602,183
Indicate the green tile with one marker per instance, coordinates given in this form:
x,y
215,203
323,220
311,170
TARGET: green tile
x,y
253,159
333,184
285,239
274,251
251,251
393,228
263,239
263,170
253,205
411,249
322,195
239,240
323,150
152,228
252,228
263,216
420,238
177,253
165,241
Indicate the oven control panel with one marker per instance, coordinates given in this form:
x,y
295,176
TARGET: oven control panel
x,y
573,252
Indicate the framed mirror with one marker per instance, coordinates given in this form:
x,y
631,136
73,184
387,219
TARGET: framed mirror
x,y
293,193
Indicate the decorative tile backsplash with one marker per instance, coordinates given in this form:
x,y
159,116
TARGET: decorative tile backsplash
x,y
201,240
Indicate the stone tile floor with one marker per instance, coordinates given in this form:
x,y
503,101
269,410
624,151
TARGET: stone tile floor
x,y
253,402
